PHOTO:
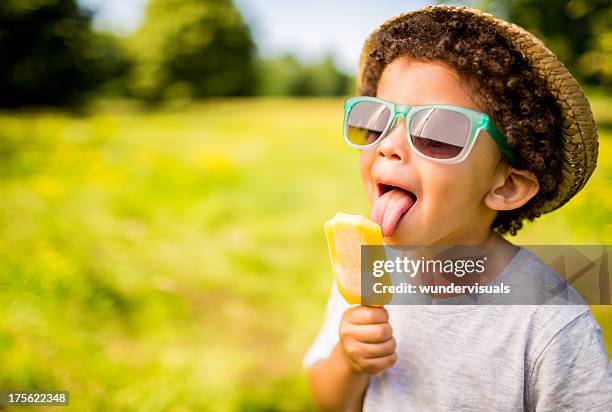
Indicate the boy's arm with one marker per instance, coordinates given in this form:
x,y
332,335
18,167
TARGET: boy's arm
x,y
335,385
366,347
573,372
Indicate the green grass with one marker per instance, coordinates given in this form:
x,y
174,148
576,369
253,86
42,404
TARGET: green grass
x,y
175,260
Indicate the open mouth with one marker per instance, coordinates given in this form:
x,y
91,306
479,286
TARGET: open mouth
x,y
384,188
391,205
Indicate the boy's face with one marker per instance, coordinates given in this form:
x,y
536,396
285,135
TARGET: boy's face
x,y
447,200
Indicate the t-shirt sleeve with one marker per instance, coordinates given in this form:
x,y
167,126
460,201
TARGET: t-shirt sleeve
x,y
573,371
327,338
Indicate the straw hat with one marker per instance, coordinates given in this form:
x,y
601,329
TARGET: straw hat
x,y
579,134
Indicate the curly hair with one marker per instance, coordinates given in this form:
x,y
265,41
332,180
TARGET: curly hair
x,y
500,81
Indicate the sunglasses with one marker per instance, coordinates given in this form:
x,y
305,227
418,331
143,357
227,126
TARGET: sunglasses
x,y
440,132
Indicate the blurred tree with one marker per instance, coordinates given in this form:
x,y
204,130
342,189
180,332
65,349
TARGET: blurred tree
x,y
578,31
324,79
49,54
285,76
278,76
192,48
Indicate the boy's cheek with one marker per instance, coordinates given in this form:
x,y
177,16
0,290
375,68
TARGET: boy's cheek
x,y
450,193
365,165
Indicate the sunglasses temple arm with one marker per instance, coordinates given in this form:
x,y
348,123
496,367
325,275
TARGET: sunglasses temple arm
x,y
501,143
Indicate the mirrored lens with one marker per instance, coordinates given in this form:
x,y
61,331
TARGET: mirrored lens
x,y
439,133
366,121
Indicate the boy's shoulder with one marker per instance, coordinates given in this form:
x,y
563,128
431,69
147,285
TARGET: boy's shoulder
x,y
533,282
554,307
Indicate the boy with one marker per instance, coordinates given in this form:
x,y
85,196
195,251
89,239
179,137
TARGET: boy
x,y
425,190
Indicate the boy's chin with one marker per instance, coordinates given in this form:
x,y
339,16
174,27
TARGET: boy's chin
x,y
410,233
402,235
395,240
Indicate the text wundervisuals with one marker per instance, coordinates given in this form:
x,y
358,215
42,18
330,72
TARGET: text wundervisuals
x,y
407,288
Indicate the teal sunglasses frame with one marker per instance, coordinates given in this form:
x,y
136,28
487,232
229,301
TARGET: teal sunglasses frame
x,y
478,121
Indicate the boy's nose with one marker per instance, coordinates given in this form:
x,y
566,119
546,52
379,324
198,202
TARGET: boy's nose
x,y
395,145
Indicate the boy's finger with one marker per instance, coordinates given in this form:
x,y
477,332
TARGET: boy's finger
x,y
366,315
377,365
377,333
378,350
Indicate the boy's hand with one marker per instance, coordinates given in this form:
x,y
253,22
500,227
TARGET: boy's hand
x,y
367,339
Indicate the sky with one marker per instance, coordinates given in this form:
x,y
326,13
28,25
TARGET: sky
x,y
309,29
313,28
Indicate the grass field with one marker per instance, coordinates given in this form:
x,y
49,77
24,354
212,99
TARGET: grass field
x,y
174,259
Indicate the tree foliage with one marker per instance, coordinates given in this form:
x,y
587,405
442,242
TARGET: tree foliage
x,y
49,54
192,48
578,31
285,76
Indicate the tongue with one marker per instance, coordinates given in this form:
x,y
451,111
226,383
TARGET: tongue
x,y
389,208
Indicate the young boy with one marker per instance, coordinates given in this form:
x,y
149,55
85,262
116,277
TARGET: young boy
x,y
468,189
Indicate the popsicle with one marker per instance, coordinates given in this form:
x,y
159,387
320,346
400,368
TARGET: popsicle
x,y
345,234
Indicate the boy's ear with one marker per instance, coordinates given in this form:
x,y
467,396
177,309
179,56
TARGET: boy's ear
x,y
512,189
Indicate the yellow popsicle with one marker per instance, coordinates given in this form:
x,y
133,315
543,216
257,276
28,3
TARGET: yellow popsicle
x,y
345,234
